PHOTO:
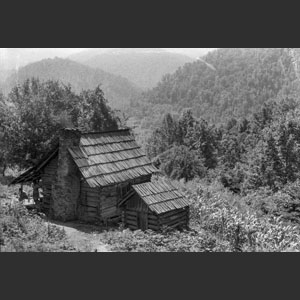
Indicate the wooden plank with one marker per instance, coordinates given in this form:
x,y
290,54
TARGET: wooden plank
x,y
113,208
170,218
153,227
92,199
131,223
171,213
116,218
178,217
174,218
131,211
152,217
89,209
153,222
182,220
91,195
107,205
179,224
127,197
130,219
89,189
132,215
109,213
109,199
91,204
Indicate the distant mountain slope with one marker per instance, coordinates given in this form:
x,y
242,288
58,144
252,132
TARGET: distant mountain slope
x,y
117,90
227,83
4,74
145,67
13,58
192,52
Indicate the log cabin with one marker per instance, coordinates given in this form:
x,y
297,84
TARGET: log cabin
x,y
87,176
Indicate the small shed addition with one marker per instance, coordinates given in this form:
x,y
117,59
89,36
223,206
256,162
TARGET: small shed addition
x,y
154,205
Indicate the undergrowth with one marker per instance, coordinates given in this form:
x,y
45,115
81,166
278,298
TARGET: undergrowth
x,y
24,231
220,222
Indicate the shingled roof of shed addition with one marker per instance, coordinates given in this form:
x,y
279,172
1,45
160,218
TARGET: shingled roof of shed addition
x,y
161,196
35,171
110,157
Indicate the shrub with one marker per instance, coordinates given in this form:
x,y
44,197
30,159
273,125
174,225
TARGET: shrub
x,y
24,231
243,230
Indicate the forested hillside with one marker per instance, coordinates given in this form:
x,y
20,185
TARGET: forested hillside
x,y
226,83
117,90
256,154
145,67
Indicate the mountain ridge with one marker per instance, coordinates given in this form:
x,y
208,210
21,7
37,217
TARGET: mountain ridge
x,y
145,67
117,90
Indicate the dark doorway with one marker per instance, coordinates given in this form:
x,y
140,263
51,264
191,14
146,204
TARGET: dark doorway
x,y
142,220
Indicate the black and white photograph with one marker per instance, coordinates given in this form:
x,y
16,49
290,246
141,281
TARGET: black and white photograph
x,y
150,150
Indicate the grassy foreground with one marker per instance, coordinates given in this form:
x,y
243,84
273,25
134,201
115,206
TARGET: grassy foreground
x,y
25,231
22,231
220,222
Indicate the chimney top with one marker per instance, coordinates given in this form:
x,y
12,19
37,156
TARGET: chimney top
x,y
70,134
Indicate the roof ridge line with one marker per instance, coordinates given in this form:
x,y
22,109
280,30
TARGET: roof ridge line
x,y
108,143
108,131
104,153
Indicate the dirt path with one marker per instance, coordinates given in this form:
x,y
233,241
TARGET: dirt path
x,y
85,238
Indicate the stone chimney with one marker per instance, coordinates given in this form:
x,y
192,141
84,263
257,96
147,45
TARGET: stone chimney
x,y
66,188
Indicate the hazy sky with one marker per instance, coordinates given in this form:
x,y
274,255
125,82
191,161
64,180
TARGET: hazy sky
x,y
16,57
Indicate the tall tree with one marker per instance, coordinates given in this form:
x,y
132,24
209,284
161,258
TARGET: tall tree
x,y
40,109
180,162
95,114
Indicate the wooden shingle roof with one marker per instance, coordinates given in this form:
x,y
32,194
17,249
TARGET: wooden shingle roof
x,y
109,158
35,171
161,196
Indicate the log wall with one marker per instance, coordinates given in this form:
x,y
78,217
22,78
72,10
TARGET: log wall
x,y
135,211
47,179
88,203
175,219
102,204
